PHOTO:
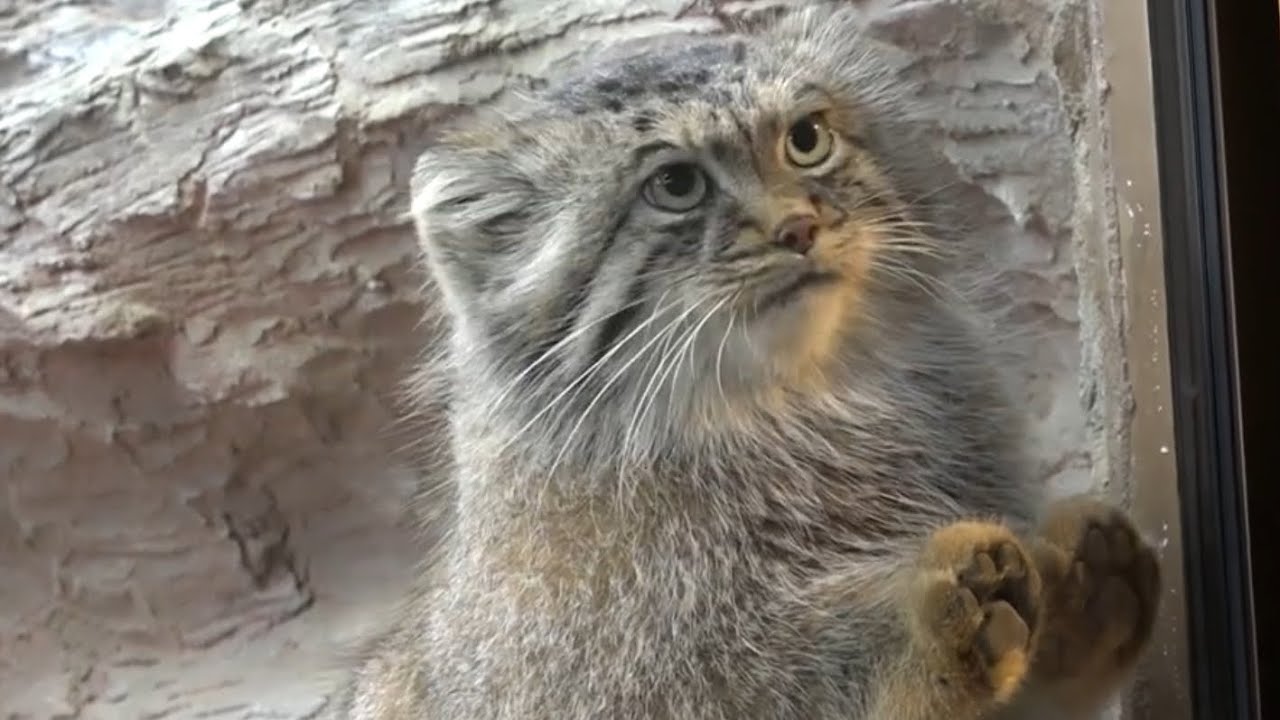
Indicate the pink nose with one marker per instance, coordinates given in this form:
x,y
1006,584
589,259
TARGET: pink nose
x,y
796,233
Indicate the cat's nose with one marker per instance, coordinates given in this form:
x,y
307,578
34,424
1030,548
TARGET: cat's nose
x,y
796,233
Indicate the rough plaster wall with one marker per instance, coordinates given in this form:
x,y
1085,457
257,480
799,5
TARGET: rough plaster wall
x,y
207,297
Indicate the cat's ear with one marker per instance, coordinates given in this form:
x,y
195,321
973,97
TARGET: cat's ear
x,y
468,197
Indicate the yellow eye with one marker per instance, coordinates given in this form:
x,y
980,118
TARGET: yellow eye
x,y
809,142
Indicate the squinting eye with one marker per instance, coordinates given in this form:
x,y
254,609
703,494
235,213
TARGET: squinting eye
x,y
809,142
677,187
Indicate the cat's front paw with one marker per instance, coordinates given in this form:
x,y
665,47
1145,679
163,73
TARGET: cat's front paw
x,y
1102,587
976,609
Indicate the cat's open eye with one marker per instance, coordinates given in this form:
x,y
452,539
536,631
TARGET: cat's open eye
x,y
678,187
809,142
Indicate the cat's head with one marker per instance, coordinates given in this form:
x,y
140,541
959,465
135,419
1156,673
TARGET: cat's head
x,y
686,224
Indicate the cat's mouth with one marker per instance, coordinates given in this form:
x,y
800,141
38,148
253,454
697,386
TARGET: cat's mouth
x,y
793,288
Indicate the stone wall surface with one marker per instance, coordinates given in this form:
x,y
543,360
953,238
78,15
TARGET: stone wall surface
x,y
208,298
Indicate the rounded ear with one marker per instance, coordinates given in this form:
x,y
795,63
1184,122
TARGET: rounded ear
x,y
468,201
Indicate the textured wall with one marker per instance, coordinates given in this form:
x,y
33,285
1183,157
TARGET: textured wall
x,y
207,298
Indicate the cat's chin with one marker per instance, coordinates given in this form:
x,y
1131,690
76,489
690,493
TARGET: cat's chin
x,y
798,335
793,291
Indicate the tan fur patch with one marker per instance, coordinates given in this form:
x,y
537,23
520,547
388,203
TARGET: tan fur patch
x,y
1008,673
953,545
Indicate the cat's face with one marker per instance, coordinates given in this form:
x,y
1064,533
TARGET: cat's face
x,y
708,215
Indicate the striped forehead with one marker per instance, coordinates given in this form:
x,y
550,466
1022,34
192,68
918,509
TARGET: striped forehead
x,y
719,97
705,68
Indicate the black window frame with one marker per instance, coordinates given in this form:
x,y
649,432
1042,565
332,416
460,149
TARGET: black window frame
x,y
1216,82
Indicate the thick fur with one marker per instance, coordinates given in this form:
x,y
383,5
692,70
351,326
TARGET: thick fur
x,y
675,497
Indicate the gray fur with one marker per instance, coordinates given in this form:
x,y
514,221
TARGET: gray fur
x,y
649,521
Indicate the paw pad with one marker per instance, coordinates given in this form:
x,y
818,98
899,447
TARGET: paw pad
x,y
1102,586
979,605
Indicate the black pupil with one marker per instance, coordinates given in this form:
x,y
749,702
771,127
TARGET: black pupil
x,y
804,136
679,180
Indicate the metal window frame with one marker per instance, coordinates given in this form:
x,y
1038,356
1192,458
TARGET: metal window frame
x,y
1211,105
